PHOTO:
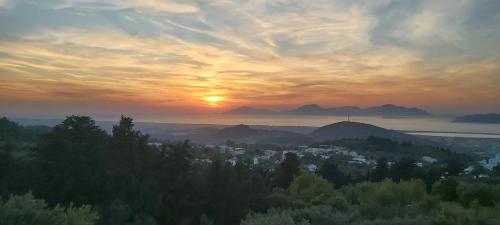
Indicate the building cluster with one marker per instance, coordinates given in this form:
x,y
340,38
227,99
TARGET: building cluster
x,y
491,163
275,157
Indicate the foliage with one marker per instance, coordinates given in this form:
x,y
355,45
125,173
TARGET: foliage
x,y
271,218
446,189
11,131
310,189
287,170
68,162
130,182
331,172
381,171
384,203
26,210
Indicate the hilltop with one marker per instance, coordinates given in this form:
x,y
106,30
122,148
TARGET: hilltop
x,y
355,130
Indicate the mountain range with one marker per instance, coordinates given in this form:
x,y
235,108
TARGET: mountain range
x,y
388,110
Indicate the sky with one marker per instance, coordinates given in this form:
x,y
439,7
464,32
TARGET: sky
x,y
62,57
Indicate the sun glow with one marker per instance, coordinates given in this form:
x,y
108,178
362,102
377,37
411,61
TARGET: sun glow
x,y
213,100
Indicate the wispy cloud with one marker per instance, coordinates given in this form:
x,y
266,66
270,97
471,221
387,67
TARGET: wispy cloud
x,y
167,6
277,53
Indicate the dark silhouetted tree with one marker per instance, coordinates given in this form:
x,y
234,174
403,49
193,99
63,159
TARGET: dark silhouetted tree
x,y
69,163
496,171
405,169
331,172
455,167
381,170
178,186
446,189
287,170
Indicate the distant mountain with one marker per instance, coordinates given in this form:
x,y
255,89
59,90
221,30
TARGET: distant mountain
x,y
394,110
350,130
479,118
312,109
249,110
384,110
344,110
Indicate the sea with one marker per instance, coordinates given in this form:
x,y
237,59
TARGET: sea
x,y
428,126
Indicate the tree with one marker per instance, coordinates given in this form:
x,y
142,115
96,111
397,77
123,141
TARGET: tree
x,y
128,154
330,172
287,170
271,218
446,189
6,168
11,131
179,196
26,210
405,169
496,170
69,164
227,201
404,193
455,167
381,170
432,175
480,193
131,170
310,189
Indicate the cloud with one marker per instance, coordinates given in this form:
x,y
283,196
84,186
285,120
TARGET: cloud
x,y
167,6
271,53
5,4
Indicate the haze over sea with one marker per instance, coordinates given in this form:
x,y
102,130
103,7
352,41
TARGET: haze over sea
x,y
440,126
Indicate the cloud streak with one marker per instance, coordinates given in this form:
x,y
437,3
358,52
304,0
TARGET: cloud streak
x,y
168,55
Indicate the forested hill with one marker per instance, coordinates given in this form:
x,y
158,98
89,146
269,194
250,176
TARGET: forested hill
x,y
349,130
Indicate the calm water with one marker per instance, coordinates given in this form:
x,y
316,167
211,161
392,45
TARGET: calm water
x,y
434,126
423,126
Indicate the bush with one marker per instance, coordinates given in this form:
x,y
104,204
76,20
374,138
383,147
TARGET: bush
x,y
310,189
26,210
273,217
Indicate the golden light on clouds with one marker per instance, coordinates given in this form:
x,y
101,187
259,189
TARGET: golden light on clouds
x,y
192,55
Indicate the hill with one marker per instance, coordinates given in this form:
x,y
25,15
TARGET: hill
x,y
332,132
350,130
249,135
479,118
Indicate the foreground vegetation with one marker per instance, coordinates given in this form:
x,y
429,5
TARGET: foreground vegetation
x,y
76,173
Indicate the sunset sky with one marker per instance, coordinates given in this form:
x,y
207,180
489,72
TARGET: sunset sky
x,y
164,56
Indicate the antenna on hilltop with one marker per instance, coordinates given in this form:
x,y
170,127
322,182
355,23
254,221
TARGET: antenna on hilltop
x,y
348,119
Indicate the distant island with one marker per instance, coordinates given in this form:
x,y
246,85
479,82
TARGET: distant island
x,y
479,118
387,110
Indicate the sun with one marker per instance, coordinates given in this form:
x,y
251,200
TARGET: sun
x,y
213,100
